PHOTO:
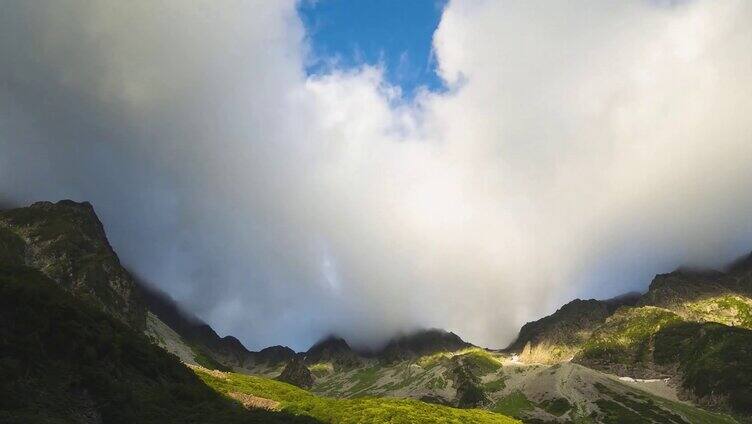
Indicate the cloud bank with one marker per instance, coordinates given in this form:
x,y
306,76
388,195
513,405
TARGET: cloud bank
x,y
580,148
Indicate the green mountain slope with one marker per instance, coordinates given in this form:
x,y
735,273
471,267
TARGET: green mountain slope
x,y
715,362
712,362
623,345
535,393
707,313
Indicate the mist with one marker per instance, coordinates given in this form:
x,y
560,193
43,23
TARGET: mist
x,y
578,150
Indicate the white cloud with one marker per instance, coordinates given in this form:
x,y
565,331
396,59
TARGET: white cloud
x,y
575,140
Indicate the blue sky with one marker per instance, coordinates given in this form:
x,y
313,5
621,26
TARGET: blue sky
x,y
393,33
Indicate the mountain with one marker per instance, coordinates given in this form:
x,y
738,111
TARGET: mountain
x,y
333,350
694,327
419,343
66,241
676,288
711,363
195,342
265,393
83,340
724,297
559,336
478,378
274,355
64,360
690,325
297,374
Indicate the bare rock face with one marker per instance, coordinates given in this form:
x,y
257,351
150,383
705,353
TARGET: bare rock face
x,y
297,374
66,241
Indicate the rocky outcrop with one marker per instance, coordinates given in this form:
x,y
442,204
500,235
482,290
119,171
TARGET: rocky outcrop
x,y
297,374
332,349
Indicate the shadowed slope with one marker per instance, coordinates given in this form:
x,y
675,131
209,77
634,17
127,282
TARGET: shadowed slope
x,y
64,360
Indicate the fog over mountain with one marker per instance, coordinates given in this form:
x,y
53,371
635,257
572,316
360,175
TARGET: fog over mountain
x,y
580,148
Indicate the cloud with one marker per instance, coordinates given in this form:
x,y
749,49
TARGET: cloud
x,y
579,149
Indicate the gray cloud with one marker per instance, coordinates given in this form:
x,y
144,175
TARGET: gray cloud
x,y
579,151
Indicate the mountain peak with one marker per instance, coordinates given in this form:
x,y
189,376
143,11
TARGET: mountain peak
x,y
330,343
274,355
331,349
422,342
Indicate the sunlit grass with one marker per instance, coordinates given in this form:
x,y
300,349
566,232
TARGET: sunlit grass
x,y
359,410
484,359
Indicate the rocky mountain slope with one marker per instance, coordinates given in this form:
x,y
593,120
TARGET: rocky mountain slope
x,y
66,242
479,378
691,327
685,341
195,342
559,336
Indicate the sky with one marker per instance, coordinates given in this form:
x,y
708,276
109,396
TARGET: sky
x,y
291,170
394,35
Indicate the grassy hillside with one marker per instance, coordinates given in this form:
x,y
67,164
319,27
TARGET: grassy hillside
x,y
534,393
715,361
730,309
626,337
359,410
64,360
